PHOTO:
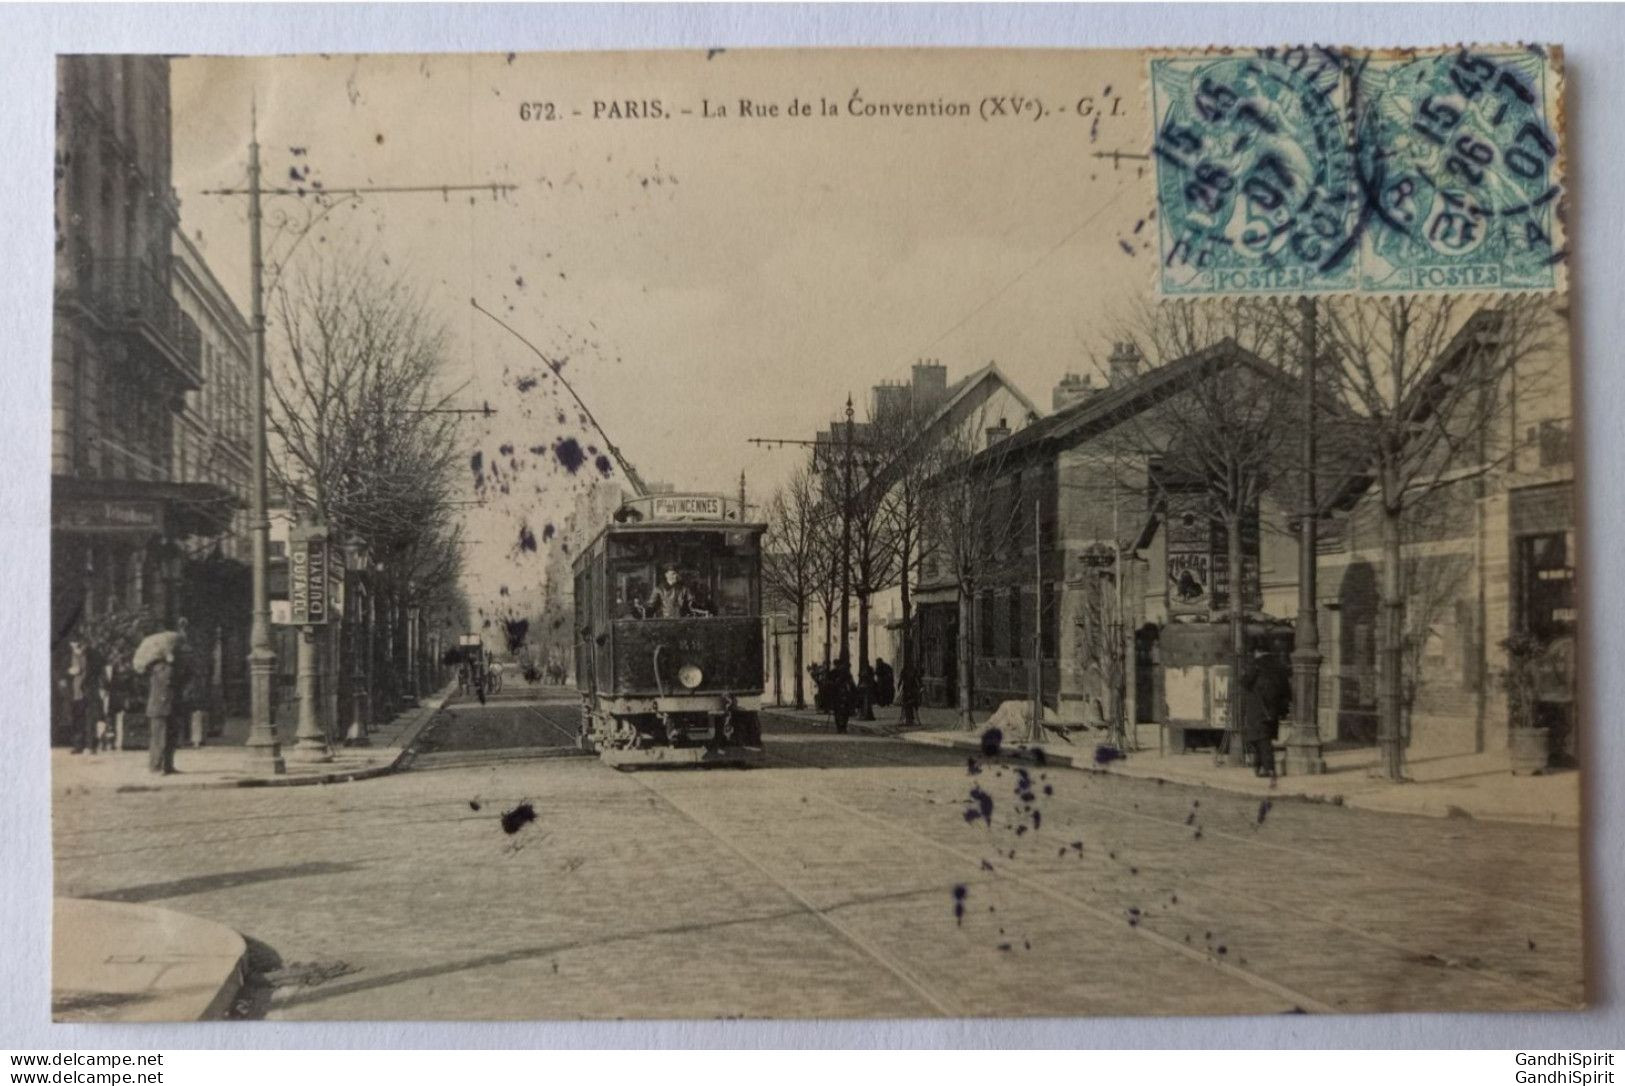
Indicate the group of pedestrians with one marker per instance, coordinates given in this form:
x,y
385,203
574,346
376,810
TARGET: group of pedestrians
x,y
836,693
95,690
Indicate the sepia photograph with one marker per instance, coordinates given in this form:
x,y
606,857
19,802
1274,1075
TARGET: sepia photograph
x,y
750,533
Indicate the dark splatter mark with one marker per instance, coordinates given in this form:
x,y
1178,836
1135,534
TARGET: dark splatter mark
x,y
548,531
973,767
1077,846
527,539
986,866
1263,810
517,819
983,808
525,384
1531,942
992,740
1004,946
1049,789
1105,754
1221,950
1038,818
379,138
1125,246
473,804
605,466
959,903
505,450
1039,757
568,451
476,464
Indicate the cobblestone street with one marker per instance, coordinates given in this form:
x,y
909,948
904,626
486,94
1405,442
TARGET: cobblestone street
x,y
849,876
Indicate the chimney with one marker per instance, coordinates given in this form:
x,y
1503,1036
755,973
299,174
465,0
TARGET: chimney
x,y
996,434
1072,390
890,398
930,383
1124,364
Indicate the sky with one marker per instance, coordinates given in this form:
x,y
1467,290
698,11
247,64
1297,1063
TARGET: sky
x,y
704,279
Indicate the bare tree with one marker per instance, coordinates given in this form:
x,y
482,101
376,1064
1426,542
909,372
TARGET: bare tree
x,y
354,413
909,464
1428,378
973,517
792,553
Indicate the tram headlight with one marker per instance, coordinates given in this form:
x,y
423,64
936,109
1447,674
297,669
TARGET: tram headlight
x,y
690,676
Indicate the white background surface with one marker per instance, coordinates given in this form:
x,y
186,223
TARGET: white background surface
x,y
1594,39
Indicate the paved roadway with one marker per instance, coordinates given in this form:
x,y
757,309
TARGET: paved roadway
x,y
826,883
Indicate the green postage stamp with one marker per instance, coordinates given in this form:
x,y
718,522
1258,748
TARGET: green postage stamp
x,y
1314,170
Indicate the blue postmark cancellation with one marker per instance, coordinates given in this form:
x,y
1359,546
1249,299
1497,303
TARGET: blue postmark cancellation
x,y
1315,170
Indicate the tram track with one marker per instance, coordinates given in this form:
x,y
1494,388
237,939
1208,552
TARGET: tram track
x,y
1413,952
937,1001
1540,909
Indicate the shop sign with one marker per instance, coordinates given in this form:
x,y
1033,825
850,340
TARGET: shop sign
x,y
112,516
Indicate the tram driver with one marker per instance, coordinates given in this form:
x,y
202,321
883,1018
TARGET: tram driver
x,y
672,598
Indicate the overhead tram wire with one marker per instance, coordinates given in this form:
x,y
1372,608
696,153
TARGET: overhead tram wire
x,y
631,474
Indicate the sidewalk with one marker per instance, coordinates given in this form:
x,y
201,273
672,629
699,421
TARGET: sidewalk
x,y
222,762
113,962
1478,786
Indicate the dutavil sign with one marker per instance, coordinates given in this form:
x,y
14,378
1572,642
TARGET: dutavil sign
x,y
310,595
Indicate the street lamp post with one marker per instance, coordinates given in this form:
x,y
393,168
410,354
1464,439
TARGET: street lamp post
x,y
1303,753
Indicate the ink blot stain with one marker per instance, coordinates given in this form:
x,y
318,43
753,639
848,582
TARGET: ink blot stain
x,y
992,740
1105,755
548,531
525,384
568,451
1264,810
959,904
473,804
604,465
516,630
527,539
517,819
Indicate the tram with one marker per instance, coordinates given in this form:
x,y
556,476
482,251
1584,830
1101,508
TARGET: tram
x,y
668,634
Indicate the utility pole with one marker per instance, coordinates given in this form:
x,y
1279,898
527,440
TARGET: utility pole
x,y
846,538
741,496
1304,755
263,745
264,748
1038,621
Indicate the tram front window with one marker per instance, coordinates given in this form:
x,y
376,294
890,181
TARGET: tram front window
x,y
681,575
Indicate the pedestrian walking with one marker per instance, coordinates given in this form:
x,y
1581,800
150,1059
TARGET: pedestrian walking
x,y
162,658
908,692
820,680
1255,730
885,683
866,692
841,694
80,688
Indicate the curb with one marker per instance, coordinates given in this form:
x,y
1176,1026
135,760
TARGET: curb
x,y
1424,808
425,712
116,987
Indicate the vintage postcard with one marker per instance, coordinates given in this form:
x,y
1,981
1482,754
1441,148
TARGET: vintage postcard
x,y
813,534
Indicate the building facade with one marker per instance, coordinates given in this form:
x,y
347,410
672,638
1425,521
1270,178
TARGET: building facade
x,y
124,357
1118,598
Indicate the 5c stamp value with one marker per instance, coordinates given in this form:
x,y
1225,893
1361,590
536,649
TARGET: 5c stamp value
x,y
1312,170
